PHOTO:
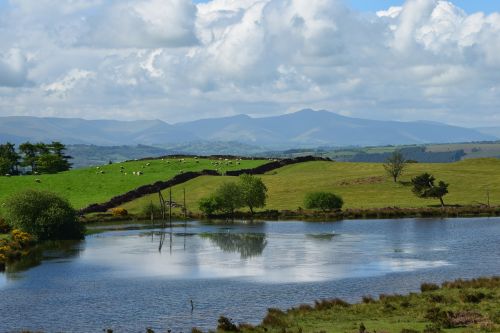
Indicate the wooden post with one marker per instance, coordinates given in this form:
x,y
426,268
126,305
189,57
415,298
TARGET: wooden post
x,y
170,208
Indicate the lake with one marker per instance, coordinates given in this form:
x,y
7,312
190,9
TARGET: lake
x,y
122,280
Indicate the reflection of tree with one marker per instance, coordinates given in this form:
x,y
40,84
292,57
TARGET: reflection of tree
x,y
247,245
322,237
50,250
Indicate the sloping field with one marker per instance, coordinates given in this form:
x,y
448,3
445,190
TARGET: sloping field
x,y
98,184
362,185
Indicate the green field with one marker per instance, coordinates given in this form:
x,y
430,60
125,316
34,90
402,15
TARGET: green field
x,y
470,306
362,185
473,150
85,186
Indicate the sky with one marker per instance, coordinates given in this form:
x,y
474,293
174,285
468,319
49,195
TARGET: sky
x,y
179,60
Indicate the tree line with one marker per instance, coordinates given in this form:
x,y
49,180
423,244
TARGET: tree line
x,y
33,158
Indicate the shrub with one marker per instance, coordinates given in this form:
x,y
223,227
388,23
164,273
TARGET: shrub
x,y
22,238
225,324
323,200
4,227
473,297
428,287
275,318
328,304
208,205
44,215
118,211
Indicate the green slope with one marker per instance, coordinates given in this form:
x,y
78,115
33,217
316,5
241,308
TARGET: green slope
x,y
362,185
85,186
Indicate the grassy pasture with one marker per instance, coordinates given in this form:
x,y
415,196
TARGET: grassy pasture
x,y
362,185
85,186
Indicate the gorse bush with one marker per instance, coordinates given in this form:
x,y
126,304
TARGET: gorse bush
x,y
44,215
21,237
118,211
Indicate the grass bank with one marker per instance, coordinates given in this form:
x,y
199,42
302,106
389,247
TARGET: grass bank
x,y
363,186
95,185
459,306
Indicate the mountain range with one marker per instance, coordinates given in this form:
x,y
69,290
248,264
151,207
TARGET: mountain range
x,y
306,128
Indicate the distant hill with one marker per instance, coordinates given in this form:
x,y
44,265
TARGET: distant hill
x,y
97,132
306,128
494,131
316,128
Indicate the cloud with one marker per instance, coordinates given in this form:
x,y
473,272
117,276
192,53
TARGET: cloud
x,y
13,68
143,24
173,60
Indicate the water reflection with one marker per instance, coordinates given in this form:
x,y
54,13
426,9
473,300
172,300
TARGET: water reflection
x,y
48,251
120,280
247,245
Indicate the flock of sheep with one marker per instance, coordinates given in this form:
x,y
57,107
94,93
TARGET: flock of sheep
x,y
219,163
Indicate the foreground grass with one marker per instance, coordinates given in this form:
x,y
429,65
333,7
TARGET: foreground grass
x,y
85,186
362,185
460,306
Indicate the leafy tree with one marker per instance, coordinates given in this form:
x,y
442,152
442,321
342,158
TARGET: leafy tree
x,y
50,163
253,192
395,165
10,158
424,187
228,197
30,155
325,201
208,205
44,215
5,166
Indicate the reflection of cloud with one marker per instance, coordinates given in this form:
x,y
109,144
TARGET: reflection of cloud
x,y
287,258
3,280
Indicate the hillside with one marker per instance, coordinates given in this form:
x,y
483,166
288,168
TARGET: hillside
x,y
306,128
95,185
362,185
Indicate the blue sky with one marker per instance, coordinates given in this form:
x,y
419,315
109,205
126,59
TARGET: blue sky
x,y
469,6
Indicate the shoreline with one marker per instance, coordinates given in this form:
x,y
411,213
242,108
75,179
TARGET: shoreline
x,y
455,306
314,216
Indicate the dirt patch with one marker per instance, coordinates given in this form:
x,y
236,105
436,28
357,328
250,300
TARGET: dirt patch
x,y
363,181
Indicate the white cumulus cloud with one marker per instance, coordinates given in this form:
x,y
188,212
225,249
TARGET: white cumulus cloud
x,y
177,61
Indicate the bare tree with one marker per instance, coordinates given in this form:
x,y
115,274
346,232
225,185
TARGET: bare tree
x,y
395,165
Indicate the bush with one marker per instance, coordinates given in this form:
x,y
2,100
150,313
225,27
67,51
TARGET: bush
x,y
21,238
325,201
118,211
44,215
226,324
208,205
428,287
4,227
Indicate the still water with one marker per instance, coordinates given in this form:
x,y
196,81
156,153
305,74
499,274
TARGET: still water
x,y
121,280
